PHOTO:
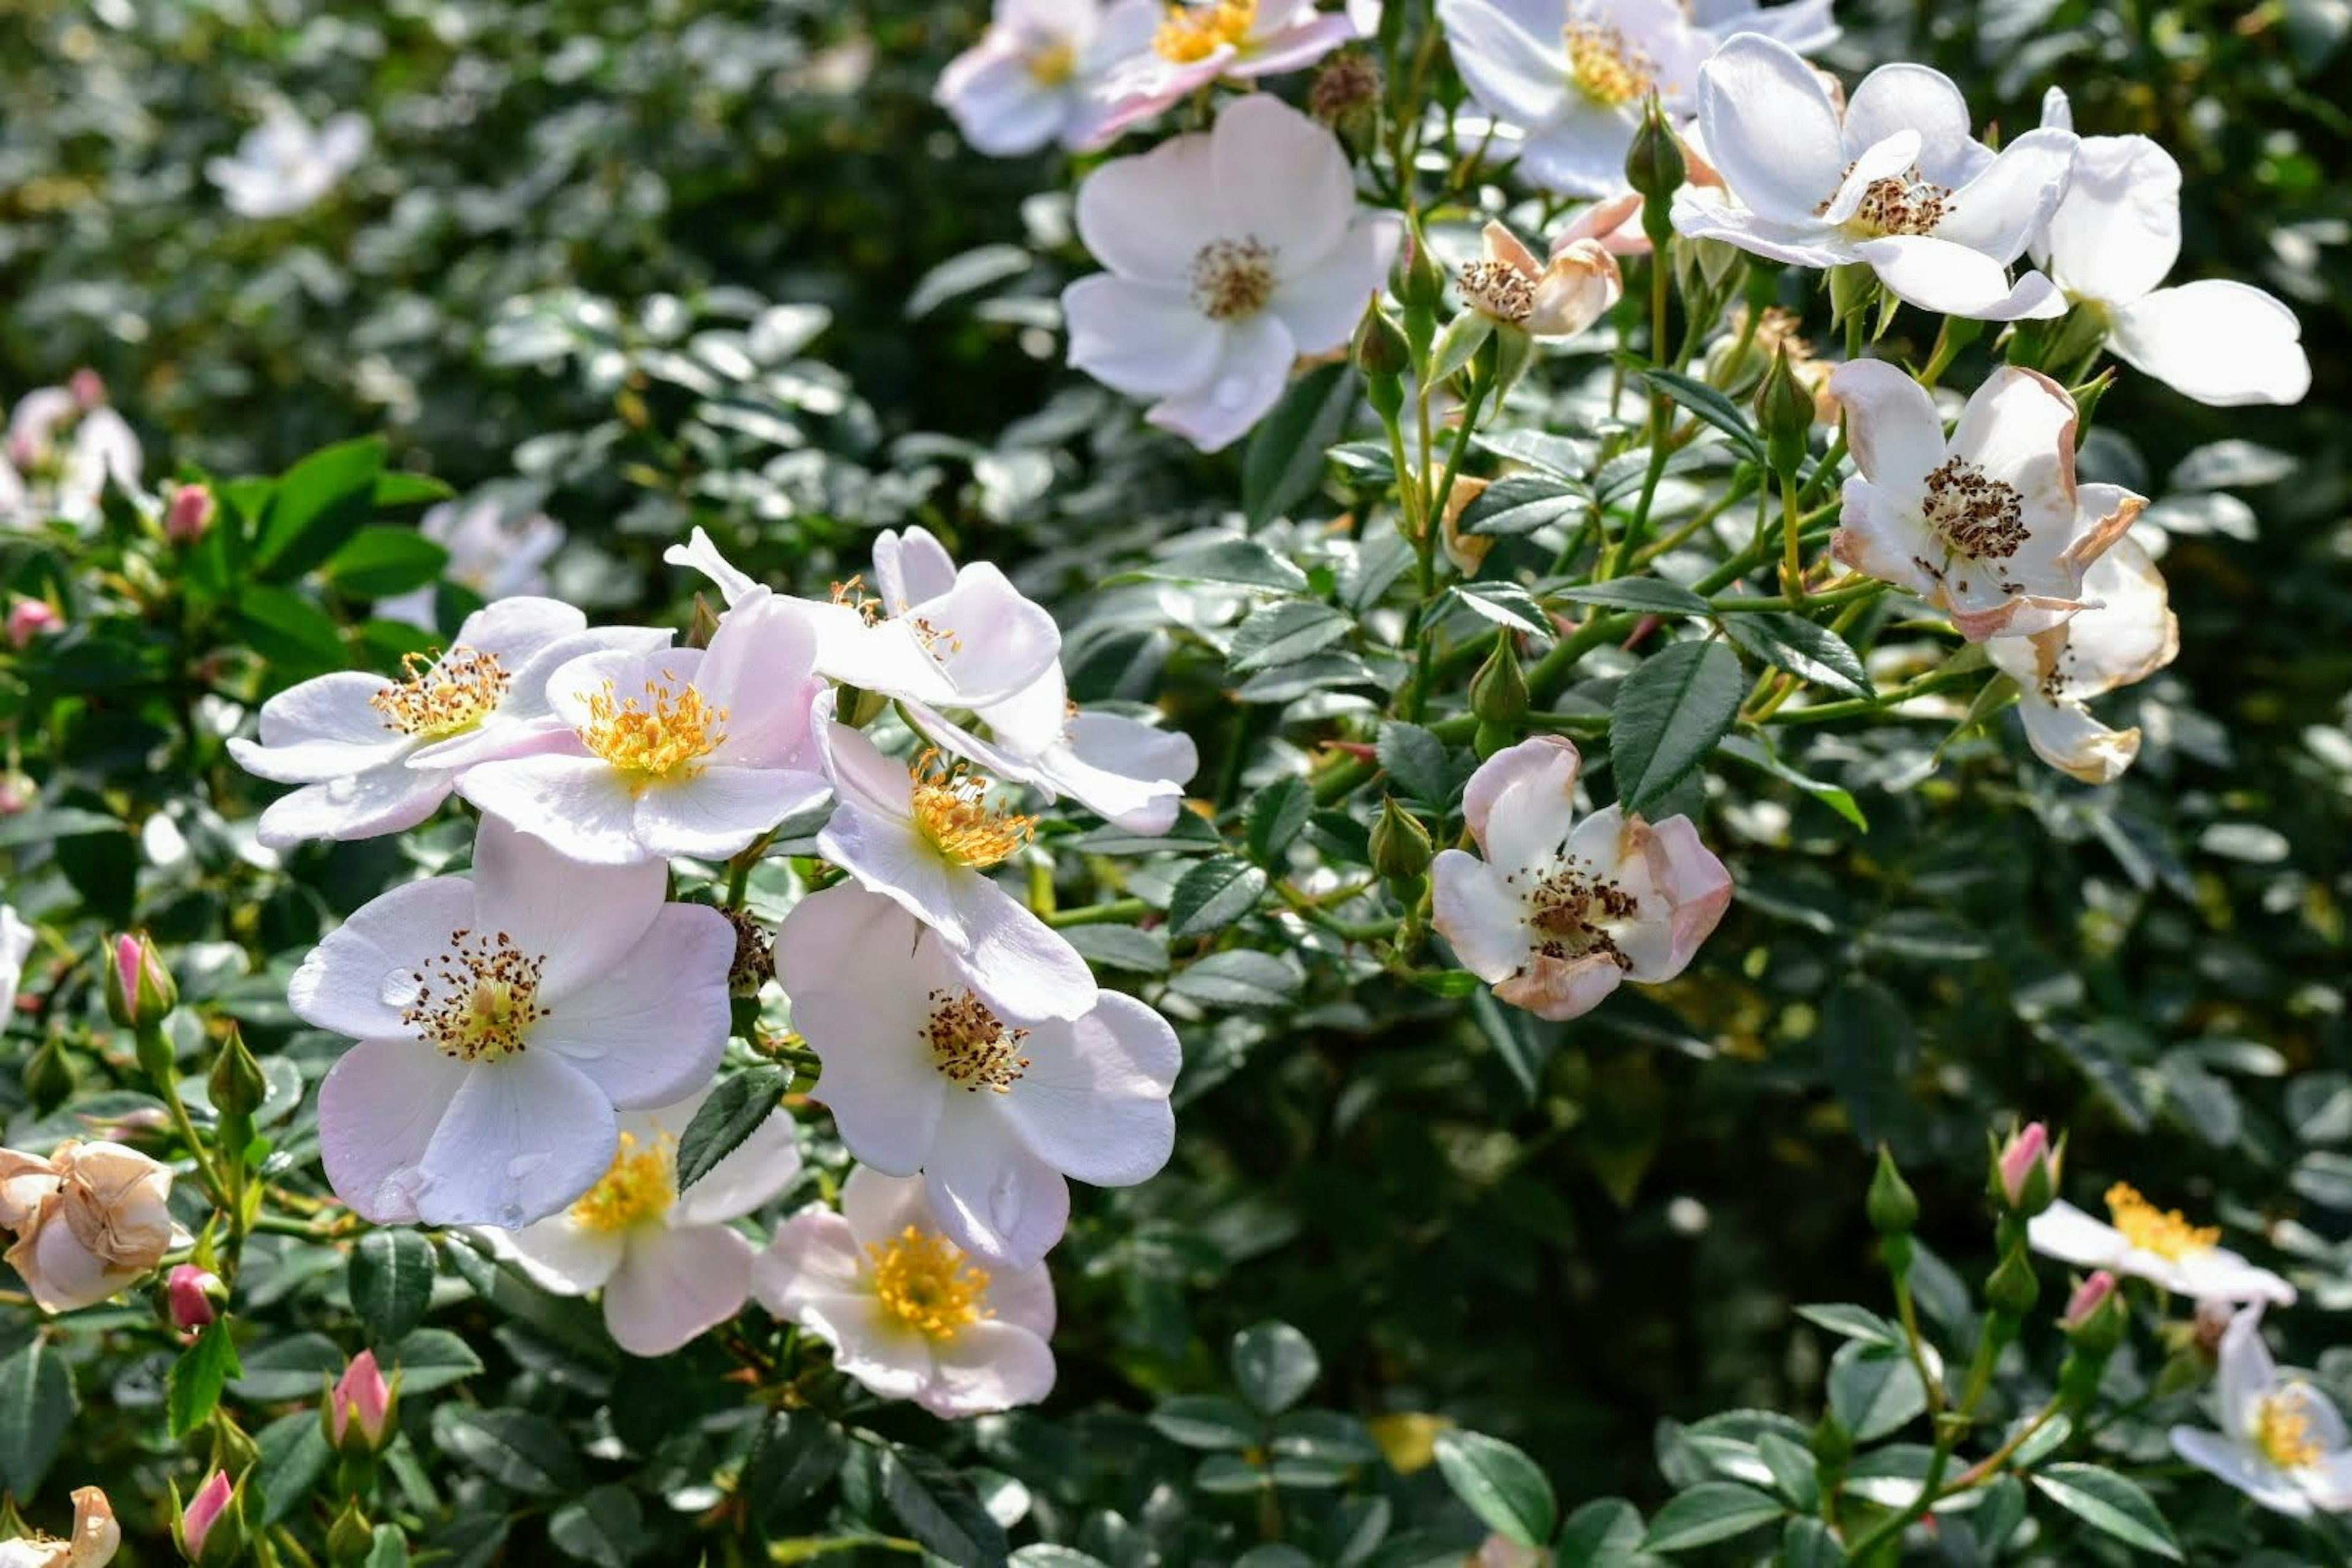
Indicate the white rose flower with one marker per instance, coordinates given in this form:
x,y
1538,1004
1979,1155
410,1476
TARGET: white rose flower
x,y
284,165
496,555
2281,1443
2158,1245
2128,634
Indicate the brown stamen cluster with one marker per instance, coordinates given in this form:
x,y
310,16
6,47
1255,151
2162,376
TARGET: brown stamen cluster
x,y
1497,289
478,1000
1978,517
1233,278
1908,203
442,694
971,1046
1570,907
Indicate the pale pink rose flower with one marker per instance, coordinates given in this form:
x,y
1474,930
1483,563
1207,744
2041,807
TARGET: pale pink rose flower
x,y
30,619
95,1539
1554,299
1171,48
2127,635
1039,75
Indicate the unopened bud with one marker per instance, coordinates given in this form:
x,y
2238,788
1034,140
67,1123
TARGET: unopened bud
x,y
2025,1171
190,513
1892,1207
211,1528
1419,283
1380,347
359,1408
1498,692
191,1297
1400,844
2096,1318
140,994
30,619
2011,1290
1784,412
48,1076
89,388
351,1538
1854,289
238,1084
1655,166
1346,96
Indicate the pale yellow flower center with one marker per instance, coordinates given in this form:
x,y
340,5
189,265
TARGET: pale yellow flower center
x,y
1605,66
2283,1429
971,1046
637,1188
2166,1233
1053,64
921,1281
664,735
952,812
442,694
478,1000
1192,33
1233,278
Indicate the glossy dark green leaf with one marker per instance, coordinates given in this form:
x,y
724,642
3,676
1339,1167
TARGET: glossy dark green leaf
x,y
1500,1484
1283,464
37,1403
1668,716
198,1376
733,1113
378,562
1275,1365
1212,896
390,1282
1706,1513
517,1448
319,504
2114,1504
1809,652
1522,503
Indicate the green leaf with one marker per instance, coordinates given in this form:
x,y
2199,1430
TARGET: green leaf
x,y
606,1526
1285,632
1867,1045
390,1282
732,1113
1188,836
1417,761
1647,595
43,823
1874,1390
387,1548
1850,1321
288,1368
1283,464
433,1358
2109,1503
317,504
294,1454
1809,652
1565,456
967,273
1757,753
1334,669
294,635
518,1450
37,1402
1709,1512
1604,1530
1710,405
194,1387
799,1452
1046,1554
1130,948
1524,1051
1809,1543
1668,716
1239,978
932,1503
379,562
1505,604
1275,1365
1205,1421
1242,562
398,487
1500,1484
1272,820
1523,503
1212,895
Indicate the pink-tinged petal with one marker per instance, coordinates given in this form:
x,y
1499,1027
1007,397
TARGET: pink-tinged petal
x,y
1480,916
518,628
877,1205
499,738
760,669
2117,233
363,804
1253,368
701,554
520,1140
2216,341
988,1366
1579,286
889,856
1147,217
1021,963
581,919
862,776
674,1284
1935,274
650,1030
870,1345
1093,1101
358,981
1558,988
910,569
754,1173
1515,75
814,1254
323,728
848,958
1918,98
1298,46
1321,306
1550,761
2242,1467
559,1255
998,103
993,1198
1891,423
1125,771
1606,221
988,639
1695,884
1770,129
2019,427
721,809
580,807
2064,1232
378,1107
2069,738
1880,536
1023,1298
2011,201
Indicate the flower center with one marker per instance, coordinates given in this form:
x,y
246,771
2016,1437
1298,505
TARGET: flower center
x,y
1604,66
2283,1429
1908,203
1233,278
478,1000
2166,1233
1571,909
1499,289
1192,33
637,1188
666,734
443,694
971,1046
921,1281
951,811
1054,64
1980,518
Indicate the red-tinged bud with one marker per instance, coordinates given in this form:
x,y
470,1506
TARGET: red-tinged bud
x,y
139,992
192,1293
89,388
30,619
2026,1170
210,1528
360,1407
190,513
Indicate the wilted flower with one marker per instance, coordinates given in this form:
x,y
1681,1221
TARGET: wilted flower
x,y
90,1219
2127,635
1989,527
495,552
189,1291
2156,1244
375,755
2109,246
668,1262
361,1401
1038,74
440,1115
1229,254
1557,298
29,618
907,1312
930,1067
1559,911
1176,48
2282,1443
95,1540
1894,182
283,166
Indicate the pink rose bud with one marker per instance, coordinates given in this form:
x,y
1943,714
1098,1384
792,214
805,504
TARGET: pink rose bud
x,y
362,1397
189,514
2089,1297
203,1511
89,388
139,992
29,618
2026,1170
191,1291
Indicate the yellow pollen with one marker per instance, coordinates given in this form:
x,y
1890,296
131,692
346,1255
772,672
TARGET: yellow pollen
x,y
476,1001
638,1187
667,733
2168,1234
950,810
442,694
2283,1429
971,1046
921,1279
852,595
1604,66
1053,64
1193,32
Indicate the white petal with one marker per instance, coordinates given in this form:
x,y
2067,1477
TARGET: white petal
x,y
2117,233
1092,1102
988,1366
1253,359
1880,533
1770,129
1526,802
580,918
2012,198
814,1254
994,1198
848,958
2133,632
2218,342
1700,213
323,728
1482,917
989,639
560,1256
2019,427
2066,1233
1905,97
1147,217
1322,307
870,1345
1020,961
889,856
674,1284
877,1205
651,1027
2244,1370
721,809
703,556
1023,1298
1515,75
521,1138
359,980
997,102
1582,152
580,805
760,669
379,1107
1281,179
2070,738
910,568
363,805
1937,275
2243,1469
517,629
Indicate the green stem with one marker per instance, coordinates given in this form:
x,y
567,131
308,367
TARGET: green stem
x,y
1116,912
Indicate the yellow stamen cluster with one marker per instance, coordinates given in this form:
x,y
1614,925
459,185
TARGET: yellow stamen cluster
x,y
2283,1429
1053,64
971,1046
1192,33
2166,1233
666,734
921,1279
1604,66
637,1187
476,1001
442,694
952,812
851,595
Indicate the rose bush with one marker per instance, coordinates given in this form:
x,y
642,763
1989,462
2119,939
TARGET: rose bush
x,y
1102,781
